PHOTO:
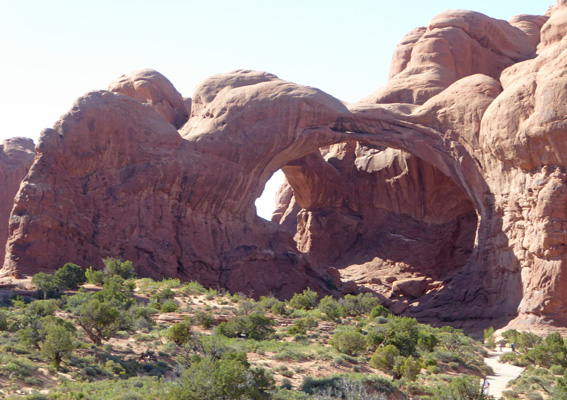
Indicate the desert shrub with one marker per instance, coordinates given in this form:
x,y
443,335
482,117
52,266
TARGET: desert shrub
x,y
227,378
94,277
374,339
203,318
361,304
489,340
3,321
113,266
70,276
253,326
301,325
163,295
509,357
180,333
192,288
348,386
116,292
403,333
459,388
42,308
58,343
385,359
169,306
557,370
407,367
379,311
307,300
279,308
427,341
349,342
330,307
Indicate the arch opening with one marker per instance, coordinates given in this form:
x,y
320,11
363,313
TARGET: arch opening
x,y
266,202
386,219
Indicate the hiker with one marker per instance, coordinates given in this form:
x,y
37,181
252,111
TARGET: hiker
x,y
513,346
486,386
501,345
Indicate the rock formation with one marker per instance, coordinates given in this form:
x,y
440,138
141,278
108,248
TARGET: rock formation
x,y
443,192
16,157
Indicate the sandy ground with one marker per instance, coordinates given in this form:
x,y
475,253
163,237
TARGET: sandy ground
x,y
503,373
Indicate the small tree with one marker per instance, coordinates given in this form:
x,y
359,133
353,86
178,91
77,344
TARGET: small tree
x,y
44,282
70,276
99,320
180,333
58,343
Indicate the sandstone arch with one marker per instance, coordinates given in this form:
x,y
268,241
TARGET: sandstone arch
x,y
115,177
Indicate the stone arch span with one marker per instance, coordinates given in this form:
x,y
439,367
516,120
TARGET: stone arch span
x,y
115,178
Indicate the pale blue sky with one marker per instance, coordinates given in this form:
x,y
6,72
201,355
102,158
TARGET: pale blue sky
x,y
54,51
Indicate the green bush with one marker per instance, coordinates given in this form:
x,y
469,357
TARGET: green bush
x,y
70,276
349,342
385,359
169,306
331,308
113,266
361,304
407,367
228,378
180,333
379,311
253,326
279,308
489,340
427,341
304,301
203,318
557,370
94,277
403,333
3,321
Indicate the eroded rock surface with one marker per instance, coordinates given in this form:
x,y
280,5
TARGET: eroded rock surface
x,y
16,157
443,192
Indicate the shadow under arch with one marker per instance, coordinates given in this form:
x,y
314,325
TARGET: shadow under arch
x,y
485,288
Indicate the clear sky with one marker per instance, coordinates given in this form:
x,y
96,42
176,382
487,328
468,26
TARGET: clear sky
x,y
54,51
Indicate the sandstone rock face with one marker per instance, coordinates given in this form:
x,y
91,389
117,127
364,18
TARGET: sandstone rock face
x,y
152,88
16,157
444,192
456,44
115,178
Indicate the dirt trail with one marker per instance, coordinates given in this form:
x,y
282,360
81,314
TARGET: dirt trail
x,y
503,373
